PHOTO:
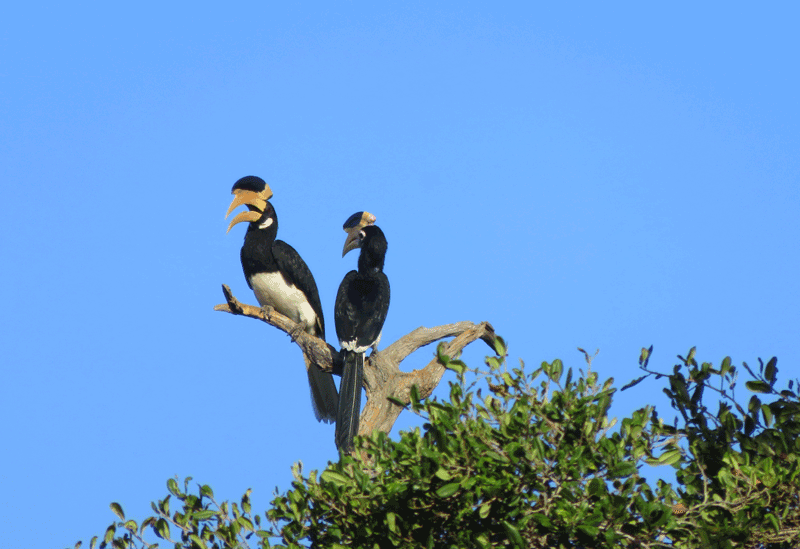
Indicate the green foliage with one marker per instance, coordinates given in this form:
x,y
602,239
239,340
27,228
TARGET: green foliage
x,y
198,523
739,477
535,462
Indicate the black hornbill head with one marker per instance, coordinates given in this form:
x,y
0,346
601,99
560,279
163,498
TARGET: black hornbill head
x,y
353,227
253,192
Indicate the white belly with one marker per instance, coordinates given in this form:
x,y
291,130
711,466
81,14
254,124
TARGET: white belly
x,y
271,289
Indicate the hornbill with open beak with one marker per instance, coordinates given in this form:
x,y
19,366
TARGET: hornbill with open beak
x,y
361,306
281,279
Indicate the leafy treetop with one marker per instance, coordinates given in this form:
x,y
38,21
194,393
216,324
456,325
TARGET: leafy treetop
x,y
536,462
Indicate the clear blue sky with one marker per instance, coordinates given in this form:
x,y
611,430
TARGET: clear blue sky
x,y
600,176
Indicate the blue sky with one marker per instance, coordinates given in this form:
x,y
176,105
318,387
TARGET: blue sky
x,y
579,175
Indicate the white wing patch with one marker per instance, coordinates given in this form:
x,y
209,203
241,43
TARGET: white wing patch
x,y
271,289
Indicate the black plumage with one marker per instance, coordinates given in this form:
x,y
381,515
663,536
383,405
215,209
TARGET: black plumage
x,y
281,279
362,304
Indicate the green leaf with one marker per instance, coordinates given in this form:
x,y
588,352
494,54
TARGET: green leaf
x,y
457,366
196,539
773,520
414,393
205,490
499,346
391,520
172,486
513,534
749,425
443,474
204,515
678,385
92,542
644,356
448,489
725,366
633,383
597,487
334,478
767,413
109,533
149,521
246,523
758,386
623,469
441,356
771,370
165,505
557,369
397,402
162,529
483,510
670,457
117,508
131,526
543,520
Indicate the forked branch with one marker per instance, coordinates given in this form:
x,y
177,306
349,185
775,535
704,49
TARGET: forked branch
x,y
382,376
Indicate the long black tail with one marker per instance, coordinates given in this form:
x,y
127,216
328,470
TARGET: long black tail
x,y
349,400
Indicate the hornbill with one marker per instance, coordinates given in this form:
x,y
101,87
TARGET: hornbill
x,y
361,306
281,279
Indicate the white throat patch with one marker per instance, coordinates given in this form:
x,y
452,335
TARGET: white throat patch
x,y
266,223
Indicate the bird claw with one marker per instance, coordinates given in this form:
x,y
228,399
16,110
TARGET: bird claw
x,y
294,331
267,310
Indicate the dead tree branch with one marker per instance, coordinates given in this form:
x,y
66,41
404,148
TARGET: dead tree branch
x,y
382,376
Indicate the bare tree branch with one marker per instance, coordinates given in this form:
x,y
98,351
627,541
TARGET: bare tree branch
x,y
407,344
382,376
319,352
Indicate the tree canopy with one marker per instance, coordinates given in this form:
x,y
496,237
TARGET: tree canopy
x,y
526,458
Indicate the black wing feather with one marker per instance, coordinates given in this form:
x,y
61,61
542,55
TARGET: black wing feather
x,y
296,272
362,304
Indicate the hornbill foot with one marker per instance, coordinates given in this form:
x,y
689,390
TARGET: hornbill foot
x,y
267,310
294,331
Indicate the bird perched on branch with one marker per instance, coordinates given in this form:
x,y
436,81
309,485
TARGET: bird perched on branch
x,y
362,303
281,279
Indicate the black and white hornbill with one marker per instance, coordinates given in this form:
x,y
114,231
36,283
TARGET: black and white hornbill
x,y
361,306
281,279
